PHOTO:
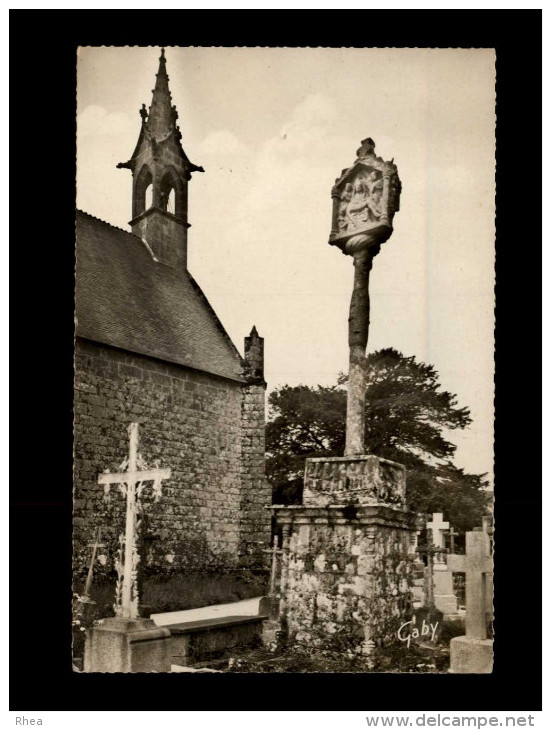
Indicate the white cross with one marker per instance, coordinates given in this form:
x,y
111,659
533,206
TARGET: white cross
x,y
131,484
437,527
475,564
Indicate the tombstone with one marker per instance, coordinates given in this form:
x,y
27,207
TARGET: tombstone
x,y
473,653
444,597
125,642
347,558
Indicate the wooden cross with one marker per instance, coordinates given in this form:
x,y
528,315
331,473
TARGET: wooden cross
x,y
131,484
95,545
476,563
453,534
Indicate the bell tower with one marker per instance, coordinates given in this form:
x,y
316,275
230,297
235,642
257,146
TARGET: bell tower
x,y
161,172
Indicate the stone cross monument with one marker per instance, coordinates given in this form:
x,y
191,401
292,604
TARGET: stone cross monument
x,y
365,198
348,548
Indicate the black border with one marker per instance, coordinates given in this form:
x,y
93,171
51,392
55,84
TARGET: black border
x,y
42,201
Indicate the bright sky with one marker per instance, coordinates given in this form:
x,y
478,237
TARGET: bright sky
x,y
273,128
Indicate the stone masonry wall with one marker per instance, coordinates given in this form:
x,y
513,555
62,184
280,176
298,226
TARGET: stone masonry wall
x,y
257,493
348,579
208,430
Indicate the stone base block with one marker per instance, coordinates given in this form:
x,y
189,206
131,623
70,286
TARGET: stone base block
x,y
127,645
446,604
471,656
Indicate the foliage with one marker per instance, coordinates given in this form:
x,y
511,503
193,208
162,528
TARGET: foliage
x,y
407,418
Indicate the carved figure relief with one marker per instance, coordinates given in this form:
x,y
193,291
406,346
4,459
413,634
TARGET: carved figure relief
x,y
365,198
364,204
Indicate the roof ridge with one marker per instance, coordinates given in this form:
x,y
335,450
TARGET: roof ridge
x,y
111,225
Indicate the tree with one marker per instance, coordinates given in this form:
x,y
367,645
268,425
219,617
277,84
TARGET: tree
x,y
407,416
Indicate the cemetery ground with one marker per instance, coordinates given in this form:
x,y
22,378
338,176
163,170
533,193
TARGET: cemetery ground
x,y
419,658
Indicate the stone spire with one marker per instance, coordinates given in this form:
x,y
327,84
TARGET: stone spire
x,y
161,119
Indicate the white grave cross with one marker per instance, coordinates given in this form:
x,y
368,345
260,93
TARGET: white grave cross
x,y
437,527
131,484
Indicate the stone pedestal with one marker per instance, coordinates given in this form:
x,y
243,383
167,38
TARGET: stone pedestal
x,y
471,656
444,597
348,556
348,576
127,645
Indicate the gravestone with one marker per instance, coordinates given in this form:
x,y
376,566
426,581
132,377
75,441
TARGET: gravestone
x,y
125,642
473,653
444,597
348,549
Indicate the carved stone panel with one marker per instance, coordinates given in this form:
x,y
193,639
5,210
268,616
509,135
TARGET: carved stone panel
x,y
359,480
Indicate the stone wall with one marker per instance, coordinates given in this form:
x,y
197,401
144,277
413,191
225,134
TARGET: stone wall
x,y
208,430
256,491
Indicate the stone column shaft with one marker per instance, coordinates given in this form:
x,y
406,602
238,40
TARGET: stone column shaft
x,y
358,330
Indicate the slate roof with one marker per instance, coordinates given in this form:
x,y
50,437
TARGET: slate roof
x,y
127,300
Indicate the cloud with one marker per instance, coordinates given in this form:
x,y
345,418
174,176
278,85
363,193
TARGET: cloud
x,y
222,143
94,120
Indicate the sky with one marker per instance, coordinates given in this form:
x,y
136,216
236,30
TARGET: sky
x,y
273,128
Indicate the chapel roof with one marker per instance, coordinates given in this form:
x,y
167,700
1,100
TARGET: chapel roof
x,y
126,299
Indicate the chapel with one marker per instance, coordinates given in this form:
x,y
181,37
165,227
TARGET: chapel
x,y
150,349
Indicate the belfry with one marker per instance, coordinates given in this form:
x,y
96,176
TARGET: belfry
x,y
161,172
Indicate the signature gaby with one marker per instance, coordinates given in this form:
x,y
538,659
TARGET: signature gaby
x,y
407,634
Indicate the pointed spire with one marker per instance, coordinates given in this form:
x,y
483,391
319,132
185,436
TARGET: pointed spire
x,y
161,117
254,332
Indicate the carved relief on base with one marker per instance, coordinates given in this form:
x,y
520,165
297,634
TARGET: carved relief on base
x,y
361,480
